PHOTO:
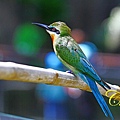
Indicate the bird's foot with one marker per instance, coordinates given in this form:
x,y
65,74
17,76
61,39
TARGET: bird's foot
x,y
71,72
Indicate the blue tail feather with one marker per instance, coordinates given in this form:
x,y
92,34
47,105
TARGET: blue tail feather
x,y
99,98
97,95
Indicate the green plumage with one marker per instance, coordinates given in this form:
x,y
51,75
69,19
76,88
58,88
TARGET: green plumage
x,y
71,55
67,51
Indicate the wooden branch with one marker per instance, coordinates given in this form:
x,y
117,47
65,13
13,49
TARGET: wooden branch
x,y
25,73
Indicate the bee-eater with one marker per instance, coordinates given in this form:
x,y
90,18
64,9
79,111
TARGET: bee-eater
x,y
71,55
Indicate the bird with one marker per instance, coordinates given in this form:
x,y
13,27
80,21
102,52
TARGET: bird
x,y
72,56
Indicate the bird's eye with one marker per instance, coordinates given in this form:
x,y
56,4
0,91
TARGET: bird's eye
x,y
53,29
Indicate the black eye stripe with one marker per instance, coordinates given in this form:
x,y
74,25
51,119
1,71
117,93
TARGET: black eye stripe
x,y
58,32
53,29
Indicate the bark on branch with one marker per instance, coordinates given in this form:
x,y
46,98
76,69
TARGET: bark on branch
x,y
24,73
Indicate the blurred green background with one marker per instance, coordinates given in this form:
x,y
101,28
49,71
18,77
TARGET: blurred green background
x,y
95,25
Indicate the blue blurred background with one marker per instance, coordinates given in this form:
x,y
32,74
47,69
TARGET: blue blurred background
x,y
95,26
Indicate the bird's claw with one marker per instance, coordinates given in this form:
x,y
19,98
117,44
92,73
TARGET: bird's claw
x,y
71,72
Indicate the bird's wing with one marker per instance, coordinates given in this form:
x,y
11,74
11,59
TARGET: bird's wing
x,y
89,70
71,54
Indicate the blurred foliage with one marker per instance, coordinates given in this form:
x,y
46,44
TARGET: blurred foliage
x,y
28,40
99,37
112,39
107,35
48,11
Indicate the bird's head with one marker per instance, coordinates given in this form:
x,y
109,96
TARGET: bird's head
x,y
56,29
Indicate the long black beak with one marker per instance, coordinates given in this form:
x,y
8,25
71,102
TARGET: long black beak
x,y
41,25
